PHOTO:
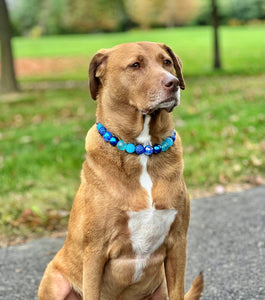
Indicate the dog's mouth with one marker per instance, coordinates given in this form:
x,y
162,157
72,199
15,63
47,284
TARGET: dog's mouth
x,y
168,104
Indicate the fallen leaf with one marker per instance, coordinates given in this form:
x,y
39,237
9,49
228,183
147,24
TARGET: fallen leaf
x,y
237,168
25,139
234,118
222,179
257,180
229,131
255,160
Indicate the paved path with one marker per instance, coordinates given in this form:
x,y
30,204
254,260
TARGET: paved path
x,y
226,241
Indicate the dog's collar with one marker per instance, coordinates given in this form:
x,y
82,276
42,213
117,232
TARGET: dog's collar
x,y
138,149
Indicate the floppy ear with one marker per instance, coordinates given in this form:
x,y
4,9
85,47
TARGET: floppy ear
x,y
96,71
177,65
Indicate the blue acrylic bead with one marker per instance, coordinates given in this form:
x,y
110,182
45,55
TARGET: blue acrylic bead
x,y
107,136
139,149
148,150
121,145
164,146
169,141
174,132
102,130
113,141
130,148
173,137
99,125
157,148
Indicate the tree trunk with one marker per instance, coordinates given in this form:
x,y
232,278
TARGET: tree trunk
x,y
8,78
215,22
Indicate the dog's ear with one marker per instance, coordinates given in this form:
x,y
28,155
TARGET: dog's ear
x,y
96,71
177,65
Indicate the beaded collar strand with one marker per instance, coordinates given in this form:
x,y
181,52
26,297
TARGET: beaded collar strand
x,y
138,149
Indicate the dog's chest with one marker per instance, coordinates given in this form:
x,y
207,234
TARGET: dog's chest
x,y
148,230
149,227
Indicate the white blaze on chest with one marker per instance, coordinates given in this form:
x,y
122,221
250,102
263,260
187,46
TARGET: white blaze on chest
x,y
145,180
150,226
148,229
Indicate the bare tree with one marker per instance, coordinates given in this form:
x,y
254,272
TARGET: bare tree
x,y
215,22
8,78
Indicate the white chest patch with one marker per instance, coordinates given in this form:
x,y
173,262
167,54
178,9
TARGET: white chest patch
x,y
145,180
148,227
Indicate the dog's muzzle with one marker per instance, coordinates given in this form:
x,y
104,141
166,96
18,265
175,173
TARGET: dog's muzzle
x,y
168,104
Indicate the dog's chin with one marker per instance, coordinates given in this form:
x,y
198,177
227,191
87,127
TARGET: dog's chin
x,y
168,104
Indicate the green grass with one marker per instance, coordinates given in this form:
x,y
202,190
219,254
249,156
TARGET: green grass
x,y
220,120
41,151
222,129
242,48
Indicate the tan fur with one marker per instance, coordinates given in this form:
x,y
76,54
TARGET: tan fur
x,y
97,259
196,289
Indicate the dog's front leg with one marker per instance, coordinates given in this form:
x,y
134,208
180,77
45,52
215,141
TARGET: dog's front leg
x,y
93,266
175,265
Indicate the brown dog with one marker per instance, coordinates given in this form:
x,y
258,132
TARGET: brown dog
x,y
128,225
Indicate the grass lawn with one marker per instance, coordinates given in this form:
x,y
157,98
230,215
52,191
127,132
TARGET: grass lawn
x,y
220,120
242,48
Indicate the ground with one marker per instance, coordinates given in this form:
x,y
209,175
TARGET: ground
x,y
45,66
225,241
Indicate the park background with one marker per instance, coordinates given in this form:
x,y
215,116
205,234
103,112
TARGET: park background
x,y
44,123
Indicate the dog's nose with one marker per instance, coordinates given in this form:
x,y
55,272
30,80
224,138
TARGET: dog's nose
x,y
170,83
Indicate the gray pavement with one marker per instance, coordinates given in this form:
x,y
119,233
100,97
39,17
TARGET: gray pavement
x,y
226,241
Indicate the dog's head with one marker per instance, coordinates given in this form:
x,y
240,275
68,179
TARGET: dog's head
x,y
141,74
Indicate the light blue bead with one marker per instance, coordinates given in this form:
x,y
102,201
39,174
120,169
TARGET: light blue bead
x,y
121,145
130,148
164,146
169,141
99,125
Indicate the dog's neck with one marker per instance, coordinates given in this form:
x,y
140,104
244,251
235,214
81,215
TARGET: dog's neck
x,y
126,122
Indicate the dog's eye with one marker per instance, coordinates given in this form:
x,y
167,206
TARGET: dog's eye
x,y
135,65
167,62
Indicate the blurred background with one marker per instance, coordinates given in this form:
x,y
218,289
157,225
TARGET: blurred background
x,y
46,109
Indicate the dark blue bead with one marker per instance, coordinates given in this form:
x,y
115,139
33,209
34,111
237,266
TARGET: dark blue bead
x,y
139,149
173,137
113,141
148,150
102,130
107,136
157,148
